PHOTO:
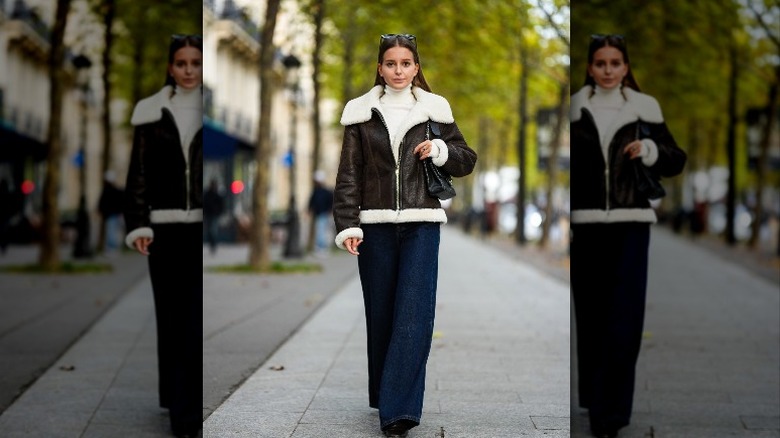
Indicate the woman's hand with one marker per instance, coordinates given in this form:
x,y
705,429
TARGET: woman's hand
x,y
425,149
141,245
633,149
351,244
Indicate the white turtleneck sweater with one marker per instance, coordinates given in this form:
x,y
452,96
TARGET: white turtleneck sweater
x,y
396,105
187,108
606,104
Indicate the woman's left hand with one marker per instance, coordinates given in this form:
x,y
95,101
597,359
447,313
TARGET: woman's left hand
x,y
424,149
633,149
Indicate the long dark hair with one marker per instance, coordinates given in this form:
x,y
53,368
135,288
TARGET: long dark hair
x,y
408,41
618,42
177,42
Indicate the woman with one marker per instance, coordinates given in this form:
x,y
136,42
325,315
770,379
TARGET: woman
x,y
164,217
381,205
614,127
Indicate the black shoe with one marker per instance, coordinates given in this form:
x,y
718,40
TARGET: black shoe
x,y
605,433
398,429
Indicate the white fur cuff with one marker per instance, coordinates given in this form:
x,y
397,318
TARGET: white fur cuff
x,y
136,233
443,154
649,152
346,234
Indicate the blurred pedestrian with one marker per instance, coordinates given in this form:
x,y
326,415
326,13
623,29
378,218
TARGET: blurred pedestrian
x,y
381,202
613,128
321,210
111,208
213,205
164,217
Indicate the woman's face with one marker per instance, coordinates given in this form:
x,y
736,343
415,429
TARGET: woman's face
x,y
398,67
187,67
608,67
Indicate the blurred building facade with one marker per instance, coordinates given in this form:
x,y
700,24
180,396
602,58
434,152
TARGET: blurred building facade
x,y
25,27
232,111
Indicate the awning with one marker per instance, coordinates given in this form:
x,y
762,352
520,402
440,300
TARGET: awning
x,y
15,146
218,144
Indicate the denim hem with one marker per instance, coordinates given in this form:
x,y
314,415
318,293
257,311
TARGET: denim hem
x,y
385,424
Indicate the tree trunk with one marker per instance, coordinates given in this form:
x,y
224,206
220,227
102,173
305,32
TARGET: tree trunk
x,y
260,233
763,158
520,237
552,164
731,145
319,13
108,10
49,257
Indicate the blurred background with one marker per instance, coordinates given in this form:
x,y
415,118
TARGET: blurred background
x,y
68,82
501,64
714,67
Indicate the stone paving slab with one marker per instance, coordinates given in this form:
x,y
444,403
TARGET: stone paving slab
x,y
710,359
105,385
499,365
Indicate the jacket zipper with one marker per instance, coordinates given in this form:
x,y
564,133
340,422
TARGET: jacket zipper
x,y
606,162
398,178
397,163
186,166
187,175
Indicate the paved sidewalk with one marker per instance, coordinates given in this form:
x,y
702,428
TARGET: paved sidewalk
x,y
42,315
105,385
499,366
709,366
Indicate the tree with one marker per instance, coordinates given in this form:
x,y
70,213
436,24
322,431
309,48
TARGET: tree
x,y
770,114
317,11
260,233
107,9
555,20
49,257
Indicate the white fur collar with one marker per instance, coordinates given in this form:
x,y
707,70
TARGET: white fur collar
x,y
638,106
149,110
429,106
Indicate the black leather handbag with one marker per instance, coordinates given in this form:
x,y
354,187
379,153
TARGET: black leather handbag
x,y
648,182
438,182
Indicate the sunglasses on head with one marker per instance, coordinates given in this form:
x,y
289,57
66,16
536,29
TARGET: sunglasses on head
x,y
614,38
409,37
180,36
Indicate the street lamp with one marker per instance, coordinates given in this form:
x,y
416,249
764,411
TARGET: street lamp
x,y
292,247
81,246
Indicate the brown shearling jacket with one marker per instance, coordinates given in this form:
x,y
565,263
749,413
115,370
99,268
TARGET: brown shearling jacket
x,y
380,182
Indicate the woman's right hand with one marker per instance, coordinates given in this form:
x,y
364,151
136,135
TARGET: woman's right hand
x,y
141,245
351,245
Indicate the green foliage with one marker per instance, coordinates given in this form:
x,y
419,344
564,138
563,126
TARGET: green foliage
x,y
143,29
469,53
679,54
62,268
275,268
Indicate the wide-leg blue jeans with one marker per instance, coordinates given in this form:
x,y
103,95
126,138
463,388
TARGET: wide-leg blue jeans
x,y
398,265
608,285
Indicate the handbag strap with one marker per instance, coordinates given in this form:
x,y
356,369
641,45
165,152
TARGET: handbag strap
x,y
434,126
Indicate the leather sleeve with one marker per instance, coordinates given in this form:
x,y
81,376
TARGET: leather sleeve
x,y
671,159
349,181
136,205
461,159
